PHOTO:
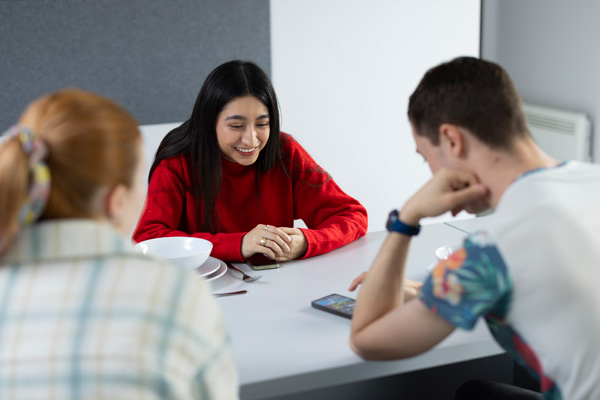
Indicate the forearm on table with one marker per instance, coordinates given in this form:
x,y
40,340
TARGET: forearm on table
x,y
382,290
227,246
332,233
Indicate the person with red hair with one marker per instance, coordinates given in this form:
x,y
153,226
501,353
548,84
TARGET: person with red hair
x,y
75,322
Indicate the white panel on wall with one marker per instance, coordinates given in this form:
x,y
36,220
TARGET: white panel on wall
x,y
152,136
343,71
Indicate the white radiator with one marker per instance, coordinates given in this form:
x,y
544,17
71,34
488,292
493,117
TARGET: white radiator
x,y
564,135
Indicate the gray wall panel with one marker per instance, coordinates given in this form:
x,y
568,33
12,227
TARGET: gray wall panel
x,y
151,56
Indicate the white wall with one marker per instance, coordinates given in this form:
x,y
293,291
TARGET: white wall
x,y
343,71
153,135
550,50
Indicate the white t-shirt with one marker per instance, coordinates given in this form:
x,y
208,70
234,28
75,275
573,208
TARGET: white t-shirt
x,y
534,274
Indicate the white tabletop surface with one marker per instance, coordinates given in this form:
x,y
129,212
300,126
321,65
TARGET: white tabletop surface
x,y
282,345
470,225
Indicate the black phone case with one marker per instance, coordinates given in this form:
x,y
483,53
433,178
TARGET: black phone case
x,y
259,262
330,309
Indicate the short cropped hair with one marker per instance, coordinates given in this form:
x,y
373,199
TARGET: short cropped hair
x,y
475,94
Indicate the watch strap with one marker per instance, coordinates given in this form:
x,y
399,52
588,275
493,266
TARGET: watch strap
x,y
394,224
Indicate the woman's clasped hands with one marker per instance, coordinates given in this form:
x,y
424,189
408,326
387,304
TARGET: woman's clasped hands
x,y
279,244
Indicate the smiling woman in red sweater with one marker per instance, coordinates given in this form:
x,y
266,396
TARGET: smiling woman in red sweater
x,y
230,176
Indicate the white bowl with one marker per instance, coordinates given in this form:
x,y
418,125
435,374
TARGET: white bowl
x,y
442,253
188,252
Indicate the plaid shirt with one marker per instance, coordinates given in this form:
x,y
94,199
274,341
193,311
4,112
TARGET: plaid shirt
x,y
82,315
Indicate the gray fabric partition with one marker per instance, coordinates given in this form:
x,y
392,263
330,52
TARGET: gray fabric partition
x,y
151,56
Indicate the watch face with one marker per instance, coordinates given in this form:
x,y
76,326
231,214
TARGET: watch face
x,y
392,218
394,224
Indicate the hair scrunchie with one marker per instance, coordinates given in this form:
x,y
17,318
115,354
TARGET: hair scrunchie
x,y
38,191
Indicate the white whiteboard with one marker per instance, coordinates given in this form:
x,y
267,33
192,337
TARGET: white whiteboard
x,y
343,71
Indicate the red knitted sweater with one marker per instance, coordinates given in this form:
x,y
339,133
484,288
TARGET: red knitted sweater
x,y
333,218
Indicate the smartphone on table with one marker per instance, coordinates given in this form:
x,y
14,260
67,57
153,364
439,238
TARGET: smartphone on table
x,y
336,304
259,262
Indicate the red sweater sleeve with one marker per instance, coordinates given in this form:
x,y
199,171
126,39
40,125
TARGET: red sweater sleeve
x,y
168,203
333,218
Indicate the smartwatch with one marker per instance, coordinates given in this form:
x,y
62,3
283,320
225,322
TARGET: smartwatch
x,y
395,225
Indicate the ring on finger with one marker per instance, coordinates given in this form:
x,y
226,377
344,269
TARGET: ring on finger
x,y
263,241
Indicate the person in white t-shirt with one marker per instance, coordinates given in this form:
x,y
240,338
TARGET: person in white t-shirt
x,y
532,273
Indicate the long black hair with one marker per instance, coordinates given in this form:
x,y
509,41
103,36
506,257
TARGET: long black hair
x,y
198,137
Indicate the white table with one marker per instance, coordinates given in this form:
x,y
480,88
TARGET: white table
x,y
470,225
282,345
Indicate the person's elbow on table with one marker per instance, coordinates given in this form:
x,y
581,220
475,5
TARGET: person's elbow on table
x,y
408,330
368,347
